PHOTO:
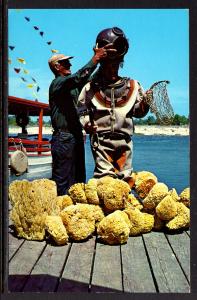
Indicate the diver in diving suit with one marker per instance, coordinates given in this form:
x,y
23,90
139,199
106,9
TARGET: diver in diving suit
x,y
110,102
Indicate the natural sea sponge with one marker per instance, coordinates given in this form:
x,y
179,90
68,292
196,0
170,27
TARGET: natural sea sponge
x,y
79,221
185,197
167,208
113,193
98,213
114,228
157,193
182,219
64,201
174,195
140,222
102,183
56,229
144,181
148,221
77,193
16,190
91,191
32,201
132,200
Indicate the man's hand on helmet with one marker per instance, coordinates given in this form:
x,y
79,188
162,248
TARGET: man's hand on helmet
x,y
100,53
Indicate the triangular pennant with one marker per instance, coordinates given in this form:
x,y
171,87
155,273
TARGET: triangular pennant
x,y
23,79
49,42
25,71
36,28
21,60
33,79
41,33
30,85
17,70
9,61
54,51
28,19
38,88
11,47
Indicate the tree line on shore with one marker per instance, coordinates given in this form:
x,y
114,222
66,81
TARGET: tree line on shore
x,y
150,120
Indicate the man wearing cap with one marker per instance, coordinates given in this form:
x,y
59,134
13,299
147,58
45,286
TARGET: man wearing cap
x,y
67,146
110,102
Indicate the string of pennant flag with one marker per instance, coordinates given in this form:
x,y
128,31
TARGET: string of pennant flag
x,y
23,73
27,79
42,33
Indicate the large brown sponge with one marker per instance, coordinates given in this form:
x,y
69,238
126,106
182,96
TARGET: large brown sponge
x,y
91,191
77,193
64,201
185,197
144,181
139,222
114,228
79,220
167,208
134,202
156,194
56,229
113,193
181,220
32,202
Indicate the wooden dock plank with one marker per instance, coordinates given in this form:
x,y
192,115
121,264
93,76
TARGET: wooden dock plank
x,y
77,271
107,273
137,277
22,263
166,269
45,275
180,244
14,244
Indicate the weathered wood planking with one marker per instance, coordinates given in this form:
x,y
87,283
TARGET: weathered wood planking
x,y
167,271
107,273
35,266
180,244
77,271
14,245
22,264
45,275
137,277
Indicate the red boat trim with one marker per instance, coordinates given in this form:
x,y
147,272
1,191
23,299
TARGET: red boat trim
x,y
33,108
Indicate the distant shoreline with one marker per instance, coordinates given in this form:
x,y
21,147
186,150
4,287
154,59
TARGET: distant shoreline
x,y
139,130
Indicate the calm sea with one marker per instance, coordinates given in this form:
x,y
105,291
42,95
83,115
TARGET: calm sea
x,y
166,156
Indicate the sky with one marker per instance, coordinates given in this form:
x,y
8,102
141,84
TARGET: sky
x,y
158,47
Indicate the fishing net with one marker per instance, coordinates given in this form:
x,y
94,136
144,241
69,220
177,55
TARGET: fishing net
x,y
160,103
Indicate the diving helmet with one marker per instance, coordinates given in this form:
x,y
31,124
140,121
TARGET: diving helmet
x,y
115,36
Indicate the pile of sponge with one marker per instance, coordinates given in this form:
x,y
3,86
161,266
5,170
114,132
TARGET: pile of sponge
x,y
104,206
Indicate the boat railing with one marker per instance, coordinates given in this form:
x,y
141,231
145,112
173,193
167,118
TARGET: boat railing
x,y
35,146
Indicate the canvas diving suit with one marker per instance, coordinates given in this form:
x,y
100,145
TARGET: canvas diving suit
x,y
111,108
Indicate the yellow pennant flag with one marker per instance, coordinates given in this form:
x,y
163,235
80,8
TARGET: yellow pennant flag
x,y
54,51
21,60
9,61
30,86
25,71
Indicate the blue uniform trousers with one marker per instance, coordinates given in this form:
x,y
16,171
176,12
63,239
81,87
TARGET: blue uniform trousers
x,y
68,161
